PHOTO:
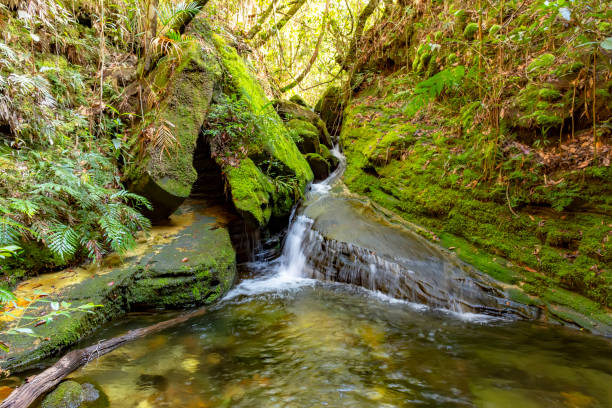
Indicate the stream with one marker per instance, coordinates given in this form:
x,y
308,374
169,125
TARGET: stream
x,y
358,311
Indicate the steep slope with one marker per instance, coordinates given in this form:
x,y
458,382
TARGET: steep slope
x,y
491,130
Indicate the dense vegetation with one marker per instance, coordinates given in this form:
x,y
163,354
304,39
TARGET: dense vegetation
x,y
487,123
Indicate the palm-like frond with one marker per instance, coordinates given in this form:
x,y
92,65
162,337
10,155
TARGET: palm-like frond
x,y
172,14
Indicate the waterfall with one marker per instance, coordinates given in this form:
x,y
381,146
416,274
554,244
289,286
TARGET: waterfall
x,y
333,237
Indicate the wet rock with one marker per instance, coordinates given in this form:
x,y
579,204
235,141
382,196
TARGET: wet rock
x,y
71,394
319,166
157,278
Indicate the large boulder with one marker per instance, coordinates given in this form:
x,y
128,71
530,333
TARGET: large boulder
x,y
319,166
254,182
164,172
291,111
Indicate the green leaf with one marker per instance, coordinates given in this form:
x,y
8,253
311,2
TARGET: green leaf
x,y
63,241
607,44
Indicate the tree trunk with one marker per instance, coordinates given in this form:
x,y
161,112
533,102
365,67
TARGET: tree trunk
x,y
25,395
314,56
263,38
262,19
150,32
361,22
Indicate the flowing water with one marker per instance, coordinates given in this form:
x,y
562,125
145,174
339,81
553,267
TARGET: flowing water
x,y
357,312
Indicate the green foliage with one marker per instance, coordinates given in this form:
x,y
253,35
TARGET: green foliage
x,y
427,90
540,64
470,31
232,130
74,204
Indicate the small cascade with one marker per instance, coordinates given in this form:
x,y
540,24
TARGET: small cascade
x,y
332,238
311,255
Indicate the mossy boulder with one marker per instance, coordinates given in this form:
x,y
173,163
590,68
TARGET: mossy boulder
x,y
327,155
306,136
188,262
319,166
165,173
289,110
332,107
71,394
252,189
299,100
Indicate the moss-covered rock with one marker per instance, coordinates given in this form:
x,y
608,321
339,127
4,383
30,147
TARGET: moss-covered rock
x,y
289,110
327,155
186,263
306,136
71,394
165,174
403,167
299,100
319,166
252,190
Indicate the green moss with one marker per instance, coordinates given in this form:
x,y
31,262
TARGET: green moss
x,y
299,100
549,94
68,394
540,64
435,181
252,193
307,135
469,33
495,28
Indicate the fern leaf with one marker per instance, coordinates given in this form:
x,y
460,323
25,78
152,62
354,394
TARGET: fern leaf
x,y
63,241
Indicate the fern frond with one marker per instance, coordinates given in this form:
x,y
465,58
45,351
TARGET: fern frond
x,y
63,240
10,231
26,207
170,14
126,196
6,296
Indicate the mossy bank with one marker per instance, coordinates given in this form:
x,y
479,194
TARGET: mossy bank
x,y
505,170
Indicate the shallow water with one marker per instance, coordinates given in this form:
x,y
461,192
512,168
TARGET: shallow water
x,y
310,344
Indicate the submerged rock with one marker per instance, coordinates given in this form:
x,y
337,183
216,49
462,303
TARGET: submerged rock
x,y
71,394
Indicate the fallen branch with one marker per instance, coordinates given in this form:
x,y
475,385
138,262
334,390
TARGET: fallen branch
x,y
25,395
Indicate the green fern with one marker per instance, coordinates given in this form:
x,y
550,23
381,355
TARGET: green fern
x,y
63,241
26,207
